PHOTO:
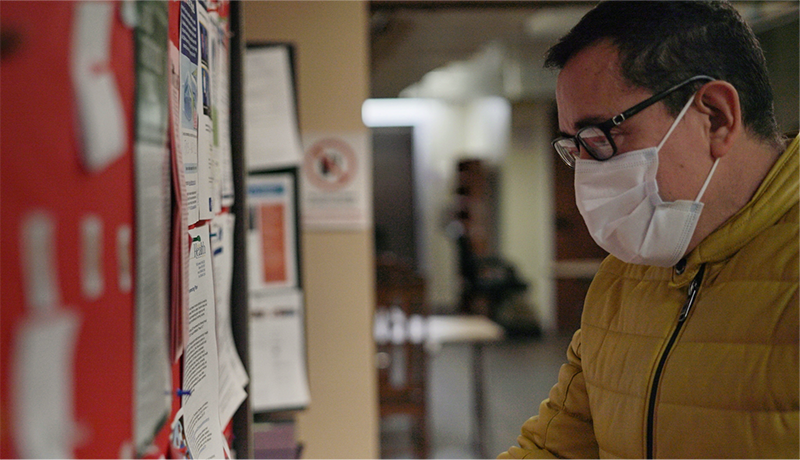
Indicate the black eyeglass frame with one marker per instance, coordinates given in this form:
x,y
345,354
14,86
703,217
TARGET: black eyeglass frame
x,y
616,120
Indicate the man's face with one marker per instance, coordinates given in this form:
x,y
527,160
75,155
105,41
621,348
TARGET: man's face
x,y
590,90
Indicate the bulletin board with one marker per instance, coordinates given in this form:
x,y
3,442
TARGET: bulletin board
x,y
79,213
86,230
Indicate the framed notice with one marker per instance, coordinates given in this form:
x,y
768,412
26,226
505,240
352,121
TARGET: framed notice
x,y
279,379
279,376
272,135
273,230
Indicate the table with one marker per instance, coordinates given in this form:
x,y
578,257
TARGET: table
x,y
476,331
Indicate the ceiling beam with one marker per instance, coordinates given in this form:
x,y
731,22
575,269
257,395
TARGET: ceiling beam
x,y
387,4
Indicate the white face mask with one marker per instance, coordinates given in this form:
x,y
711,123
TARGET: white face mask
x,y
618,199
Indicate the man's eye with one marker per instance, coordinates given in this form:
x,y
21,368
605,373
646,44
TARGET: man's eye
x,y
617,135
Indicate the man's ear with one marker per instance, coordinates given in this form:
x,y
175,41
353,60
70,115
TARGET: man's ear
x,y
719,100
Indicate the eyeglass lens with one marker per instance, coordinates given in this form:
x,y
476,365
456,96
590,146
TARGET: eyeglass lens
x,y
596,141
592,138
568,150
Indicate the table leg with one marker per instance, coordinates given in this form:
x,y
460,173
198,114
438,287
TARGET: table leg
x,y
480,423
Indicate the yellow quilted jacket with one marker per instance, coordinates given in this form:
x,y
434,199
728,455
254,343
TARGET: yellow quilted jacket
x,y
646,378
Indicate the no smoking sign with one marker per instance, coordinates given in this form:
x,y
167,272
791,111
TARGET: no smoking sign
x,y
330,164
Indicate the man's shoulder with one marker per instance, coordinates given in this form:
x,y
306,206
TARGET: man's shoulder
x,y
775,252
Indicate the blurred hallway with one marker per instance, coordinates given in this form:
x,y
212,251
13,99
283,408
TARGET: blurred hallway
x,y
517,376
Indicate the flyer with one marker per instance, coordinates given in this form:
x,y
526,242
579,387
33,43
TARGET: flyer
x,y
200,365
189,103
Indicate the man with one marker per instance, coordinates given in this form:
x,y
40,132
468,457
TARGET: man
x,y
688,344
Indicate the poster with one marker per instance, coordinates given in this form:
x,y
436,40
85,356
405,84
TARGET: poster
x,y
272,231
153,206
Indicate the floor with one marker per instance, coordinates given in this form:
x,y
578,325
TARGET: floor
x,y
517,375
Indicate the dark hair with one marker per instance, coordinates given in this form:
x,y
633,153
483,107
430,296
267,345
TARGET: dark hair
x,y
663,43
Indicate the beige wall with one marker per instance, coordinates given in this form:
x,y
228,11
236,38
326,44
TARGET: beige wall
x,y
526,206
331,45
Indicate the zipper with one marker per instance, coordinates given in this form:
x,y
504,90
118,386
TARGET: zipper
x,y
694,286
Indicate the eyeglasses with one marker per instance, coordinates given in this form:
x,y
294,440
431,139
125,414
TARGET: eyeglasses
x,y
597,140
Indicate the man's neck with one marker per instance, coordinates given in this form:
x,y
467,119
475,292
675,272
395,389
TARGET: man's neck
x,y
739,174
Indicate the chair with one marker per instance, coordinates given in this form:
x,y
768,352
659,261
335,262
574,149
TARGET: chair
x,y
399,334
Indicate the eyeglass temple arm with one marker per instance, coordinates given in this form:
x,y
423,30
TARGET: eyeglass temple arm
x,y
616,120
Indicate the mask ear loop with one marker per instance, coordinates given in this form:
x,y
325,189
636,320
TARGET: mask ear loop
x,y
708,179
675,123
672,128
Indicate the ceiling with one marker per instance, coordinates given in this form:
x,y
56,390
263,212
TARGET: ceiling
x,y
494,47
409,39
